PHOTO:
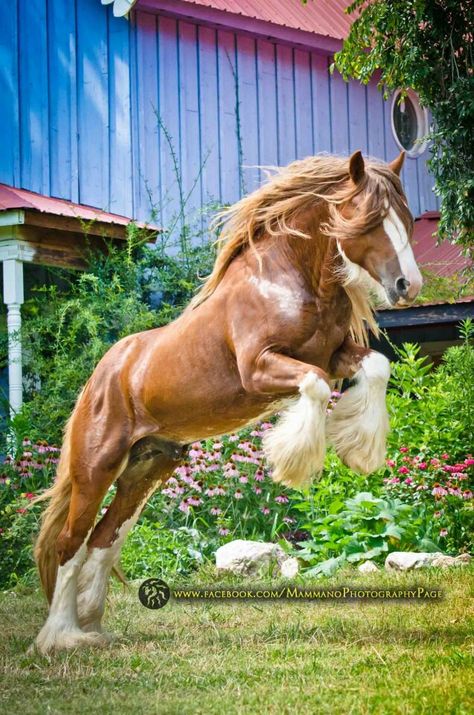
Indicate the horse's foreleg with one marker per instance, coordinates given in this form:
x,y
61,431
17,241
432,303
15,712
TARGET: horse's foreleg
x,y
134,487
357,427
296,446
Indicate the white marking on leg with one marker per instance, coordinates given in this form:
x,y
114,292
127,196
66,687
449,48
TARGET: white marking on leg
x,y
358,425
94,576
296,446
61,629
395,230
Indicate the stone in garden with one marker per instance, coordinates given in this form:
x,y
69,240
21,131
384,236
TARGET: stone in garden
x,y
289,567
407,560
368,567
247,558
445,562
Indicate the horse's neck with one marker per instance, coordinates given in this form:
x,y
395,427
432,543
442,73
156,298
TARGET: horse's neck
x,y
315,259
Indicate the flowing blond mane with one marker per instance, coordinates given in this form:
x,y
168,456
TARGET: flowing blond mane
x,y
273,209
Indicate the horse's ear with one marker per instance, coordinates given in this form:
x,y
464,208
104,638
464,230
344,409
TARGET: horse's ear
x,y
397,164
356,167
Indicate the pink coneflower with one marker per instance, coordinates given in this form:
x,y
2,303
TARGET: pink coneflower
x,y
438,491
408,481
196,445
259,476
215,511
184,506
257,490
233,438
266,425
217,445
243,479
196,453
403,470
443,532
265,510
210,492
238,494
437,514
455,491
288,520
231,472
219,491
467,494
224,532
390,463
421,465
281,499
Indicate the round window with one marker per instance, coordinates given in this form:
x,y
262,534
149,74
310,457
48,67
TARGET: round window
x,y
409,123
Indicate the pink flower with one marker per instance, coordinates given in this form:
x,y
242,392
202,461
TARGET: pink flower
x,y
408,480
467,494
259,476
469,462
435,462
184,506
445,456
224,532
394,480
403,449
265,510
438,491
390,463
217,445
288,520
443,532
233,438
281,499
243,479
238,494
219,491
456,492
266,425
403,470
437,514
257,490
215,511
422,465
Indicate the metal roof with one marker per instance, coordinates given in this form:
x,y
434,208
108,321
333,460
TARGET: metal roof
x,y
321,17
444,259
12,198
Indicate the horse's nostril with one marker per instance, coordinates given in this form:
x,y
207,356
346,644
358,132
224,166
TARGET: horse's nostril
x,y
402,285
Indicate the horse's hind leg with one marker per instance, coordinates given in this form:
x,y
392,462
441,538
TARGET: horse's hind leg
x,y
62,629
136,484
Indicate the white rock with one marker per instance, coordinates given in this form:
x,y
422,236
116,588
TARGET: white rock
x,y
445,562
289,567
407,560
248,557
368,567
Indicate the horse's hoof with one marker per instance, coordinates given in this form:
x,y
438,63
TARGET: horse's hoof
x,y
49,641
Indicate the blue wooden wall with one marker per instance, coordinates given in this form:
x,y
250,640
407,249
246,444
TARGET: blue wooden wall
x,y
82,95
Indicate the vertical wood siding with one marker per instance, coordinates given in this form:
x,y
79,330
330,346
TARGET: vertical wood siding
x,y
142,117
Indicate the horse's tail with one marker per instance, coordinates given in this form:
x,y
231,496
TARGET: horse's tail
x,y
53,519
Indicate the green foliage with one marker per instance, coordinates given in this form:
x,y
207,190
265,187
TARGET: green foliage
x,y
426,46
365,527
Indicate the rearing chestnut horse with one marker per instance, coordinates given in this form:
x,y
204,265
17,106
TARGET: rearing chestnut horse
x,y
283,314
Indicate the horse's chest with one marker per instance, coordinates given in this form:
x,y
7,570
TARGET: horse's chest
x,y
323,333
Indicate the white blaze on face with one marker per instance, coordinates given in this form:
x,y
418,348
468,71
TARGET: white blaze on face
x,y
395,230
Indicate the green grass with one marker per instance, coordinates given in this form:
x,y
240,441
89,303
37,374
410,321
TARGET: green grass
x,y
278,657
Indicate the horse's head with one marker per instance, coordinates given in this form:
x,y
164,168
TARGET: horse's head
x,y
376,230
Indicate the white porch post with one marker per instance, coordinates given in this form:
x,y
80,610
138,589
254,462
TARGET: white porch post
x,y
13,297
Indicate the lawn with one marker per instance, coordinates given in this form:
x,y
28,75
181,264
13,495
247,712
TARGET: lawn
x,y
270,657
